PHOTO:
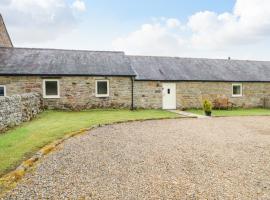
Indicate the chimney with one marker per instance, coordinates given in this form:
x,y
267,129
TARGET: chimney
x,y
5,40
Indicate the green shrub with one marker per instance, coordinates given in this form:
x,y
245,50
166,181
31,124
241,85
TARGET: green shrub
x,y
207,106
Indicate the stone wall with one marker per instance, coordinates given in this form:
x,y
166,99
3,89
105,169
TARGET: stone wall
x,y
79,92
266,102
76,92
148,94
191,95
18,108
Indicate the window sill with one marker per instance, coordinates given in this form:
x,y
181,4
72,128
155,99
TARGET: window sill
x,y
102,96
237,96
51,97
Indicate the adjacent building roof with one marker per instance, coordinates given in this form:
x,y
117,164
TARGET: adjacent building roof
x,y
24,61
5,40
194,69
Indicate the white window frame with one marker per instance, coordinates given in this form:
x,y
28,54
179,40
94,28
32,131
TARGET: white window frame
x,y
44,89
108,89
5,92
241,90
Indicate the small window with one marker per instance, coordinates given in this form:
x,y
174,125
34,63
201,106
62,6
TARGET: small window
x,y
102,88
51,88
237,90
2,90
169,91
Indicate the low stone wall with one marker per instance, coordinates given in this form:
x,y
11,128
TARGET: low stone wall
x,y
19,108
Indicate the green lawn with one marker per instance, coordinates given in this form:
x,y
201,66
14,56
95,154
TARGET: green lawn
x,y
235,112
20,143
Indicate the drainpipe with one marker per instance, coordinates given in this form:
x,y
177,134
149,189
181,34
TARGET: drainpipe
x,y
132,93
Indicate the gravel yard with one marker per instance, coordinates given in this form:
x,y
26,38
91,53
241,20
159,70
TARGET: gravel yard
x,y
219,158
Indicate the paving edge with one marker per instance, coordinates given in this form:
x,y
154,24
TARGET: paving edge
x,y
9,180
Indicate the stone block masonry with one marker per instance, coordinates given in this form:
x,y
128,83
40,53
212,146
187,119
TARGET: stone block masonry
x,y
148,94
19,108
76,92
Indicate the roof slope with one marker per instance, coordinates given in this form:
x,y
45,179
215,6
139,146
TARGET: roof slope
x,y
56,62
194,69
23,61
5,40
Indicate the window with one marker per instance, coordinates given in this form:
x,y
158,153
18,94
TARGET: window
x,y
237,90
102,88
2,90
51,88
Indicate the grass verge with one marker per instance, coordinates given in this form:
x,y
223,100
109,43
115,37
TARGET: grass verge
x,y
22,142
235,112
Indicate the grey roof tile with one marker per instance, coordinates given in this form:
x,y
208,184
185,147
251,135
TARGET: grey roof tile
x,y
196,69
26,61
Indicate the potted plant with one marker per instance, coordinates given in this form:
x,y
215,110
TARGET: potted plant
x,y
207,107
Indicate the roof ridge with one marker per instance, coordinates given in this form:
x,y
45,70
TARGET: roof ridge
x,y
58,49
130,56
193,58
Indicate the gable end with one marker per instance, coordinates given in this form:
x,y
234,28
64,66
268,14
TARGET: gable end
x,y
5,40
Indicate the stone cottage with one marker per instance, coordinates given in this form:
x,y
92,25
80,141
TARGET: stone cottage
x,y
170,83
69,79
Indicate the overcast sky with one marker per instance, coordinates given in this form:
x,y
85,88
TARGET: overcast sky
x,y
195,28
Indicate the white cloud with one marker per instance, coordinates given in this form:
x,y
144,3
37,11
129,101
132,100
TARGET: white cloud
x,y
79,5
155,38
33,21
248,23
245,27
173,23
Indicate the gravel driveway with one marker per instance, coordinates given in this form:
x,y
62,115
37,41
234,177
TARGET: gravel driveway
x,y
220,158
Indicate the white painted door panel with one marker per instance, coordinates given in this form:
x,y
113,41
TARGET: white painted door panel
x,y
169,96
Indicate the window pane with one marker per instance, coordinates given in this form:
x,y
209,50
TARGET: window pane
x,y
2,91
236,89
102,87
51,88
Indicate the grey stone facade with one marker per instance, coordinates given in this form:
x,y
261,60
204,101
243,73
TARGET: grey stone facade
x,y
18,108
148,94
76,92
192,94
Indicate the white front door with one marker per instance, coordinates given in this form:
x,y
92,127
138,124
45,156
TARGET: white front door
x,y
169,96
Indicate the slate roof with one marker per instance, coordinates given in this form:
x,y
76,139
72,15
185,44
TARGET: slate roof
x,y
56,62
195,69
26,61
